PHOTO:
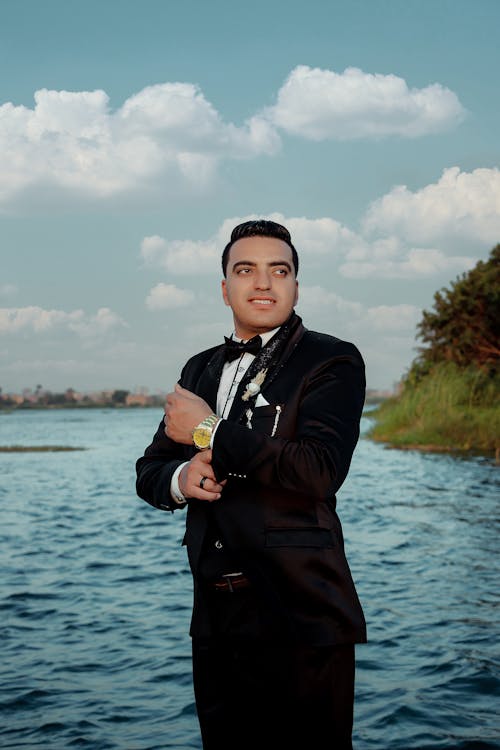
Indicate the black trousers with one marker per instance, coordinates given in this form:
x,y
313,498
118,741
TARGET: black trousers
x,y
270,695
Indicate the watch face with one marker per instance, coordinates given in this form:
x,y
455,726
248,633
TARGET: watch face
x,y
201,437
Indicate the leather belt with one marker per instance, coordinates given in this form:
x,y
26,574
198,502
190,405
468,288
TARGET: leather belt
x,y
231,582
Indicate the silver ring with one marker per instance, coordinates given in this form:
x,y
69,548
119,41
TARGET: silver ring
x,y
202,481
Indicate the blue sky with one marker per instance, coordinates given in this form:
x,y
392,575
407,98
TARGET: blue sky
x,y
134,135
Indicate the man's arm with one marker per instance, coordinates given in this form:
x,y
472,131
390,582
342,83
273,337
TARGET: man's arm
x,y
155,470
167,463
317,459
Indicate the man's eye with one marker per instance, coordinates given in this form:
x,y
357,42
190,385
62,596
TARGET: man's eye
x,y
243,270
281,271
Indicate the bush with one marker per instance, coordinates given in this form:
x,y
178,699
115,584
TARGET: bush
x,y
450,408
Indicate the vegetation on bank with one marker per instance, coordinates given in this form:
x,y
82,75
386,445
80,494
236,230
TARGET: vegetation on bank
x,y
450,409
450,397
39,448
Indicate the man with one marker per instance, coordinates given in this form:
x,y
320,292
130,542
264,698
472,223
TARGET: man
x,y
256,443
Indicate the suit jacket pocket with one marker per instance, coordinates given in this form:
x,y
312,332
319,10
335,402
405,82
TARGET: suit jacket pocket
x,y
308,537
266,418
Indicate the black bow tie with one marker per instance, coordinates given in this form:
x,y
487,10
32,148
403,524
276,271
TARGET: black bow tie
x,y
235,349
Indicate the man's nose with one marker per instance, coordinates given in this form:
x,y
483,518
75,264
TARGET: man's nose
x,y
262,279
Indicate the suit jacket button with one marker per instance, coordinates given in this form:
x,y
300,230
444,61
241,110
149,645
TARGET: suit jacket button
x,y
218,544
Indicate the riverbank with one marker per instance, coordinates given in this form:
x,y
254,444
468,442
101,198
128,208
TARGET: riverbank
x,y
450,410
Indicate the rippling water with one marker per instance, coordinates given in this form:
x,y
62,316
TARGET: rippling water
x,y
96,594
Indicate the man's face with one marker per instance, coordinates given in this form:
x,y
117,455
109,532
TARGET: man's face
x,y
260,287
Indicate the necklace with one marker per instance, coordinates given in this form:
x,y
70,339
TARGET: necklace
x,y
233,383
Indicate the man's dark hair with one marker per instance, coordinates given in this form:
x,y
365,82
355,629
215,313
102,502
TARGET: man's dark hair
x,y
260,228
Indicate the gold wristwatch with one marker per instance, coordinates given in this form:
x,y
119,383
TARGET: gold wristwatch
x,y
202,433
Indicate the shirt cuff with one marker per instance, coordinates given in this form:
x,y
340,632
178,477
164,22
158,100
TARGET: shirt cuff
x,y
175,491
214,430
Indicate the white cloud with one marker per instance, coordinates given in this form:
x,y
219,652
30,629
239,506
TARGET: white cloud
x,y
402,264
460,207
360,256
319,237
319,104
390,256
153,249
390,318
170,134
14,319
36,319
181,256
73,140
452,220
178,116
318,301
311,237
317,298
168,296
104,321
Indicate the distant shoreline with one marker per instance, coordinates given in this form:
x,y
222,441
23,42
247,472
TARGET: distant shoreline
x,y
39,448
371,400
96,405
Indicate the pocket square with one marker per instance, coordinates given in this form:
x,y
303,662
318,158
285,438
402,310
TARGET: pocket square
x,y
261,401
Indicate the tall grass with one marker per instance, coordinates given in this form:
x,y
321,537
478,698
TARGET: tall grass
x,y
450,408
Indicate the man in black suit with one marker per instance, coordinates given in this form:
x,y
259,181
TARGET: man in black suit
x,y
257,438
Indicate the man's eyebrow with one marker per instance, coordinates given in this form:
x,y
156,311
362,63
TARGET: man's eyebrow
x,y
272,263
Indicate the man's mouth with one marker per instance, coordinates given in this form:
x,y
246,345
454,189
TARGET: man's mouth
x,y
261,301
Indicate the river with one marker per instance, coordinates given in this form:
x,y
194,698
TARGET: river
x,y
95,594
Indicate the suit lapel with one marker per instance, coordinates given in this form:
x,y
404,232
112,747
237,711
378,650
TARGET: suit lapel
x,y
283,352
209,379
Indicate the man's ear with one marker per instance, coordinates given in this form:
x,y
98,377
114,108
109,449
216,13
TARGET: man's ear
x,y
296,293
224,292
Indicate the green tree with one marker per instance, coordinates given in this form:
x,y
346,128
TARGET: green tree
x,y
464,326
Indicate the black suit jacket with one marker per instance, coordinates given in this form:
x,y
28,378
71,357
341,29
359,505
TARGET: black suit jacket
x,y
277,511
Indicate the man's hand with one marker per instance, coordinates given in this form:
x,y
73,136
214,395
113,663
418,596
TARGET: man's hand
x,y
183,411
199,469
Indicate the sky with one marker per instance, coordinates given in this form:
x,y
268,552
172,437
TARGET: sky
x,y
135,135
